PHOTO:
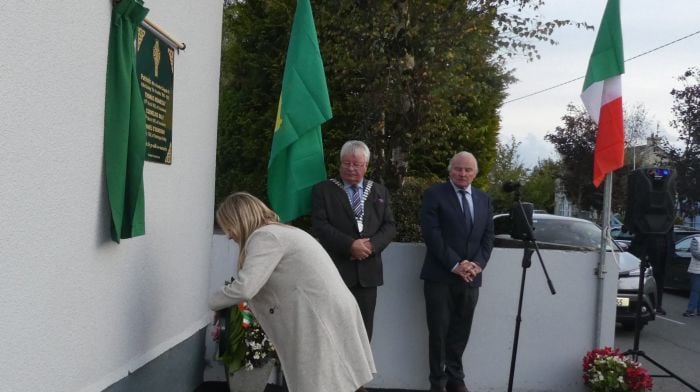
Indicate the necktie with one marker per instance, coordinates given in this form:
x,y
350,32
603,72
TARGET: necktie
x,y
465,206
356,202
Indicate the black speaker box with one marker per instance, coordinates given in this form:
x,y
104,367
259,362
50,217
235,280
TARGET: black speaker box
x,y
521,219
650,201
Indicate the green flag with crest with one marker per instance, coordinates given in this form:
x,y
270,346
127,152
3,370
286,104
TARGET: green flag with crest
x,y
296,158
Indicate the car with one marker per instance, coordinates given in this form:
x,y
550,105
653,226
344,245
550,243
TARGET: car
x,y
615,223
679,232
677,270
581,233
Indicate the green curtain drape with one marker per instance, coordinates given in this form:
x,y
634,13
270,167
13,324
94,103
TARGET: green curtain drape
x,y
125,124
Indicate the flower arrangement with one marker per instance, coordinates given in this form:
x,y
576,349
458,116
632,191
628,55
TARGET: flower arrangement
x,y
607,370
258,348
242,342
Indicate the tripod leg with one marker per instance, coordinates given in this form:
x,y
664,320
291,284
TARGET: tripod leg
x,y
635,352
638,311
527,256
670,373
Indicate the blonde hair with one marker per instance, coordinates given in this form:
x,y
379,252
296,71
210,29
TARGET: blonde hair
x,y
239,215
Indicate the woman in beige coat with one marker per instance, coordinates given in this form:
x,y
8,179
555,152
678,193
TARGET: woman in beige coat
x,y
298,297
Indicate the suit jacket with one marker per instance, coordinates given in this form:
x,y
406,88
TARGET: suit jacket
x,y
333,224
305,309
447,236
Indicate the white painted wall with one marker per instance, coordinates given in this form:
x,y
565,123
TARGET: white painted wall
x,y
79,311
555,333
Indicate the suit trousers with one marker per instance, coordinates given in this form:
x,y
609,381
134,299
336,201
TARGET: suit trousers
x,y
450,310
366,298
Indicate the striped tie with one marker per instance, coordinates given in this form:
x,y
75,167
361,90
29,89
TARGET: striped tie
x,y
356,202
465,207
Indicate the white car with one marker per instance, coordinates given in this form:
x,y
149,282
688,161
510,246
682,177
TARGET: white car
x,y
568,232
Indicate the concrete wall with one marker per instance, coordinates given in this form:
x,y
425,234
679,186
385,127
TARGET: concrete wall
x,y
80,312
555,333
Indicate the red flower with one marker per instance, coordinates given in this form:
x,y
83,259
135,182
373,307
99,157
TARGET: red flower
x,y
609,370
637,378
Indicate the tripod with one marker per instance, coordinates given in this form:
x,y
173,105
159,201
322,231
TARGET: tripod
x,y
523,230
635,352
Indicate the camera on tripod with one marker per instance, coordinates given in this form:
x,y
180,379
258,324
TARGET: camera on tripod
x,y
520,213
521,229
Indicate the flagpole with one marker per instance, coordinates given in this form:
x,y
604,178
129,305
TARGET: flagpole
x,y
600,270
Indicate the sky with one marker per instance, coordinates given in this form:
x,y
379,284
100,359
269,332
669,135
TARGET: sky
x,y
648,80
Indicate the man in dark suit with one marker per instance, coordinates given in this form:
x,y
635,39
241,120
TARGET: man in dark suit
x,y
352,219
457,227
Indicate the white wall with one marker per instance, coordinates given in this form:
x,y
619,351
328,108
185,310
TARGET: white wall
x,y
555,333
79,311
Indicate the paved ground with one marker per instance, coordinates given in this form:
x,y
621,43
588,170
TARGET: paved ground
x,y
673,341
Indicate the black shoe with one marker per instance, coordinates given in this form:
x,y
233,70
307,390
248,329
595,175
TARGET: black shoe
x,y
689,314
660,312
456,387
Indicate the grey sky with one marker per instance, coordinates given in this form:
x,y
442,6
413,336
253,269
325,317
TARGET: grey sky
x,y
646,24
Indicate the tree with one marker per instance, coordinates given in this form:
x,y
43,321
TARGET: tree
x,y
686,158
255,36
638,128
541,184
637,124
417,81
575,142
507,168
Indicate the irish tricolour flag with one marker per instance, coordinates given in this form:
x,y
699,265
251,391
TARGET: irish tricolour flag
x,y
602,94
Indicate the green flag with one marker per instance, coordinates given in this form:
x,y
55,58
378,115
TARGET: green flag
x,y
125,124
296,159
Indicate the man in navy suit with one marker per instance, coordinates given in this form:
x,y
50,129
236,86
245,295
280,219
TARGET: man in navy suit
x,y
457,227
351,217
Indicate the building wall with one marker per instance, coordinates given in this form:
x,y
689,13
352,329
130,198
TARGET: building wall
x,y
555,333
80,312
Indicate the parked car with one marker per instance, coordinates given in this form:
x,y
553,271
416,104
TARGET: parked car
x,y
676,274
615,223
575,232
679,232
677,271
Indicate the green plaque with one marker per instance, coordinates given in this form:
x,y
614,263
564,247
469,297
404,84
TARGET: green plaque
x,y
155,65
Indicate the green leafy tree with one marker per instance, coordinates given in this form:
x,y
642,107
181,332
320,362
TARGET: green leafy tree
x,y
255,37
686,157
417,81
507,168
575,143
540,186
